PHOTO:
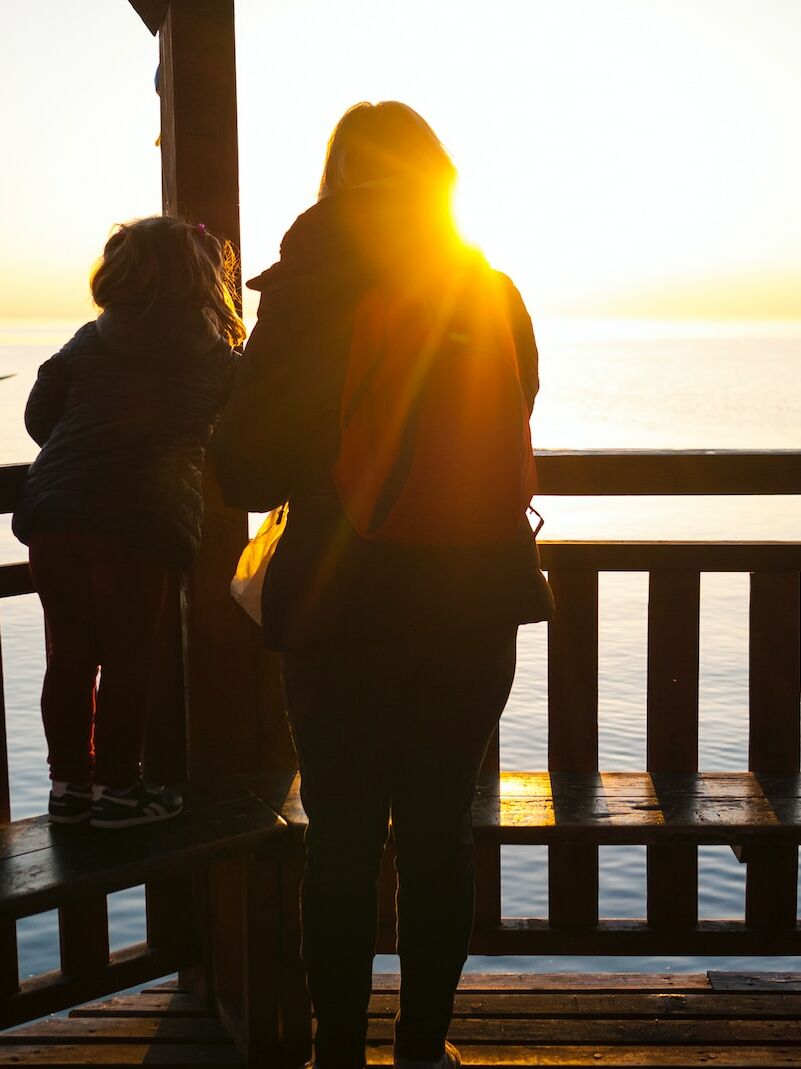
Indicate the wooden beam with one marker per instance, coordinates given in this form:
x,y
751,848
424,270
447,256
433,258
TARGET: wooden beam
x,y
624,472
151,12
201,182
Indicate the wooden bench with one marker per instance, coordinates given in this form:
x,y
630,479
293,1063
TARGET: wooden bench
x,y
753,814
72,869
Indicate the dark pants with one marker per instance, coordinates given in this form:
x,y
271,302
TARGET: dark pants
x,y
101,602
380,730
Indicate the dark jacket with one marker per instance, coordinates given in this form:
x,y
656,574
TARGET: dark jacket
x,y
279,437
123,414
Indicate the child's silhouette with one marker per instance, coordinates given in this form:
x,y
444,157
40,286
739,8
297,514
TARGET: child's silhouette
x,y
113,501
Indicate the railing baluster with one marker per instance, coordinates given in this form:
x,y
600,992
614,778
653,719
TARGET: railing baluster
x,y
9,971
488,855
673,635
774,695
83,934
573,734
171,914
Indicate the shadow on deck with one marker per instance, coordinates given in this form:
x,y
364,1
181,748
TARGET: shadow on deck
x,y
724,1019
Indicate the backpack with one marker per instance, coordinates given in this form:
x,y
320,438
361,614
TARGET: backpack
x,y
435,446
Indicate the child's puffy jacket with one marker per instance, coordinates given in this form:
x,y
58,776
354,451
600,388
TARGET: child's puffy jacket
x,y
123,414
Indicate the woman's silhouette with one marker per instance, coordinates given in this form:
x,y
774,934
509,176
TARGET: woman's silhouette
x,y
398,658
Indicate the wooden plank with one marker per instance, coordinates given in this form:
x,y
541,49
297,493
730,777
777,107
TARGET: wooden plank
x,y
573,673
9,964
625,807
648,556
755,981
5,791
119,1030
51,992
9,970
573,1056
15,579
616,807
112,1054
144,1005
674,1057
622,1031
775,673
534,983
631,472
674,600
11,479
774,735
624,937
615,1004
573,735
48,875
263,960
83,934
673,634
771,894
172,924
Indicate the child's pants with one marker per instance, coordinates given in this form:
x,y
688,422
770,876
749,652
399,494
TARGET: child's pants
x,y
102,601
380,729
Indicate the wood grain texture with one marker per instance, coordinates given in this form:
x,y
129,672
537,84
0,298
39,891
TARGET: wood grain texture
x,y
45,867
674,600
774,735
631,472
83,934
573,734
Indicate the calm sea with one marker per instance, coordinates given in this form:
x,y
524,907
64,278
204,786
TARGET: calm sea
x,y
604,385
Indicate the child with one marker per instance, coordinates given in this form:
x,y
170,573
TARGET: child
x,y
113,501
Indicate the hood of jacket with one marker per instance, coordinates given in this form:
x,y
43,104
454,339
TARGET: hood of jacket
x,y
361,235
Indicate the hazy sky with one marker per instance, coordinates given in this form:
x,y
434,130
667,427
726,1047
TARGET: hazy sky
x,y
618,157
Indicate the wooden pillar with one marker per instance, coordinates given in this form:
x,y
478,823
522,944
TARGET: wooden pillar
x,y
201,182
227,676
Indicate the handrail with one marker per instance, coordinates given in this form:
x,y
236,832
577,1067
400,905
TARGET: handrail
x,y
634,472
671,713
619,472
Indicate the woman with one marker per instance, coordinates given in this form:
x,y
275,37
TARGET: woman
x,y
398,659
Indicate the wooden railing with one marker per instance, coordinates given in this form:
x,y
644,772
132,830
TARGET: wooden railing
x,y
242,893
671,925
204,875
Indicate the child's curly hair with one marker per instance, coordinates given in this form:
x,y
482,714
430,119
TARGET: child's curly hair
x,y
155,263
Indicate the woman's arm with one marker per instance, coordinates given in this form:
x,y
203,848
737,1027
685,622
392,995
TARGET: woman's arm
x,y
526,346
47,399
261,430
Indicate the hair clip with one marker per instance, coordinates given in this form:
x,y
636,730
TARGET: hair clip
x,y
201,227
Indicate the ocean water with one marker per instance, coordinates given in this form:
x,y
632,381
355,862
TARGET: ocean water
x,y
604,385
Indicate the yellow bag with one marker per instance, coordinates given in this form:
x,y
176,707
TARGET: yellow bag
x,y
248,580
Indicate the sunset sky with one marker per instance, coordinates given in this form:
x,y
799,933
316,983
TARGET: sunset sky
x,y
621,158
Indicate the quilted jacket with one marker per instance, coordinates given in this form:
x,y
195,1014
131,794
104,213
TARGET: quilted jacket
x,y
123,414
279,437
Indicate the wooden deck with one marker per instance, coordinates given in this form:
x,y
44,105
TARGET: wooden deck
x,y
723,1019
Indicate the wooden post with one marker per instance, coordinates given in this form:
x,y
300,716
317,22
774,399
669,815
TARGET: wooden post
x,y
573,734
227,676
673,637
774,736
9,975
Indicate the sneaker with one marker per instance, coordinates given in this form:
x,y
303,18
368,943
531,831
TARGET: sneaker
x,y
450,1059
140,804
69,803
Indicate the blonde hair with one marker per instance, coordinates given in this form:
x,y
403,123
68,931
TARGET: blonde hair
x,y
385,140
161,262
